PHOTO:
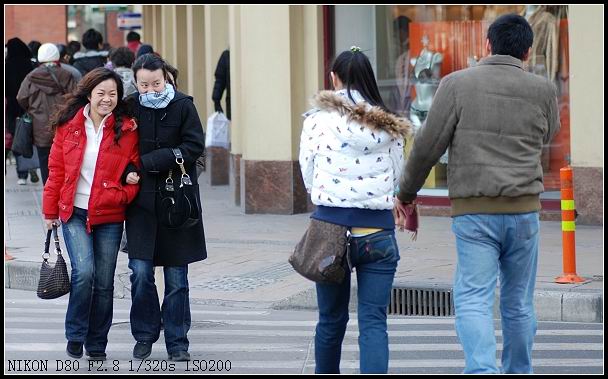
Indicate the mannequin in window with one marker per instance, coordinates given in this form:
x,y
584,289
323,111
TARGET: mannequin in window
x,y
544,57
427,71
401,100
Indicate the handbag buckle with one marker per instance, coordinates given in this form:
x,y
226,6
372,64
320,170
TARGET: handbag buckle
x,y
169,184
186,180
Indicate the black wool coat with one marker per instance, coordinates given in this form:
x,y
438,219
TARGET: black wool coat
x,y
176,126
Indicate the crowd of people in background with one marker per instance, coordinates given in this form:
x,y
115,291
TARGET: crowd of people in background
x,y
39,74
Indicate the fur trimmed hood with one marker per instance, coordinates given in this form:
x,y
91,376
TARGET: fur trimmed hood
x,y
371,116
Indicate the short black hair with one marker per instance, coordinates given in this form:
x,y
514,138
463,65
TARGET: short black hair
x,y
34,46
512,35
122,57
91,39
133,36
73,47
63,50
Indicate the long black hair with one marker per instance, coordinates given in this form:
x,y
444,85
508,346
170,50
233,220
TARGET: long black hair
x,y
77,99
154,62
355,71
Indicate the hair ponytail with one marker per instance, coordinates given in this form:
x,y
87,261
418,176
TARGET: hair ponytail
x,y
355,71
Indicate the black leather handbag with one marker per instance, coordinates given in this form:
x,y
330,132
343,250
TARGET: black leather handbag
x,y
54,280
23,142
178,206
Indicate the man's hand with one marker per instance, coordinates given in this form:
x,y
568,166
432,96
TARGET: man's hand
x,y
132,178
400,214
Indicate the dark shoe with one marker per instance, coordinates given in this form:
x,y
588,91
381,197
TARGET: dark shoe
x,y
34,176
179,356
74,349
142,350
96,355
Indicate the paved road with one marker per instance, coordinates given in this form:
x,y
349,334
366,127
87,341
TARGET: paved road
x,y
269,341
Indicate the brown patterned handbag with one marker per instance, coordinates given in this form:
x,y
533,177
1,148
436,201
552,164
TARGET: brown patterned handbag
x,y
319,256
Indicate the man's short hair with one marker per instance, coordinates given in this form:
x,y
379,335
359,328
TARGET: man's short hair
x,y
133,36
122,57
510,34
91,39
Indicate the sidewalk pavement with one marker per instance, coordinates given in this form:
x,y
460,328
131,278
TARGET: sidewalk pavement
x,y
247,257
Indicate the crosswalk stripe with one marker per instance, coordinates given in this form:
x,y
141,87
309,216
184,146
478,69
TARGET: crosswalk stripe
x,y
127,311
298,347
352,324
303,333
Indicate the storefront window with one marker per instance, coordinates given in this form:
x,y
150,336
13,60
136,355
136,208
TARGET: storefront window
x,y
412,47
83,17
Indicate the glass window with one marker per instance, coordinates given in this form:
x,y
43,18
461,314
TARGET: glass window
x,y
411,47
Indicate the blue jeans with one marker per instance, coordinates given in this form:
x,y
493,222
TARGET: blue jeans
x,y
146,312
375,257
93,260
487,245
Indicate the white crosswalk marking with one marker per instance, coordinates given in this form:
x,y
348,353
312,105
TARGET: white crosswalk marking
x,y
272,341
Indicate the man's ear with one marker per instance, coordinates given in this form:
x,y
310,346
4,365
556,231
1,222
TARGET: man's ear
x,y
488,47
527,54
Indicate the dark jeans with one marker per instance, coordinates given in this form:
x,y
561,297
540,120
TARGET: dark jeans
x,y
43,158
93,260
145,309
375,258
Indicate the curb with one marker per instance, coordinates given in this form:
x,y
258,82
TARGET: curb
x,y
550,305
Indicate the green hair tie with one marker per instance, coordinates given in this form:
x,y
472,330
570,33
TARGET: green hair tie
x,y
355,49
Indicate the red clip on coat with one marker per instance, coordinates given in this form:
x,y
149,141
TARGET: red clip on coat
x,y
109,196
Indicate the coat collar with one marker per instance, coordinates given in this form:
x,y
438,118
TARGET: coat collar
x,y
371,116
502,60
128,123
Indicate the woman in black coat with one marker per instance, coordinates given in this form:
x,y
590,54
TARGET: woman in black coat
x,y
167,119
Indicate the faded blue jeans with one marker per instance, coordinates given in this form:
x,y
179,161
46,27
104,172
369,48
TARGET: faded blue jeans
x,y
93,260
375,258
489,245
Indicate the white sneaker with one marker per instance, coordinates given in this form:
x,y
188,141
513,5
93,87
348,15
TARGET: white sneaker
x,y
22,182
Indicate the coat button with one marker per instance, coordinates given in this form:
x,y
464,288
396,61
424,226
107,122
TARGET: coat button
x,y
76,132
63,207
105,184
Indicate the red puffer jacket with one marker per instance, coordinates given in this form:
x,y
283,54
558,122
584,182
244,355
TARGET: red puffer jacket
x,y
109,197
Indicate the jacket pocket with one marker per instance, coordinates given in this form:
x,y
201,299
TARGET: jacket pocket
x,y
111,195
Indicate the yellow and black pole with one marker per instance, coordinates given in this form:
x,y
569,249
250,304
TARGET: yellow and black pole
x,y
568,228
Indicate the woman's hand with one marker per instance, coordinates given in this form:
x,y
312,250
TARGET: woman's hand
x,y
49,223
132,178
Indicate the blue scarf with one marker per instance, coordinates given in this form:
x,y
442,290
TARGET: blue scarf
x,y
157,100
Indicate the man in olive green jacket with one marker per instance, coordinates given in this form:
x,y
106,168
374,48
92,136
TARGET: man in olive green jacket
x,y
495,118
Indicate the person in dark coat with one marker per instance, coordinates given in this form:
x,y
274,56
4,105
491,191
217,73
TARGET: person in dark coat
x,y
40,92
222,82
93,57
18,64
167,119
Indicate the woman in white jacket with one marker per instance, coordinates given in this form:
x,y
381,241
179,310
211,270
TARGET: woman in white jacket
x,y
351,153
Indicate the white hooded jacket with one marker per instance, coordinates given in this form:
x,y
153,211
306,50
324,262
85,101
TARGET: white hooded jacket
x,y
351,154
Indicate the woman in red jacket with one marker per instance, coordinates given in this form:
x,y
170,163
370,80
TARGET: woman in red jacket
x,y
93,160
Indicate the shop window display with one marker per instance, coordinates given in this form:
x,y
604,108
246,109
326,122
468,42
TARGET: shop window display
x,y
417,45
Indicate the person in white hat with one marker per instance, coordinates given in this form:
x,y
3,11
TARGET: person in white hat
x,y
40,91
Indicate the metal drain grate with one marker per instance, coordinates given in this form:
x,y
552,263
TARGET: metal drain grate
x,y
421,302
